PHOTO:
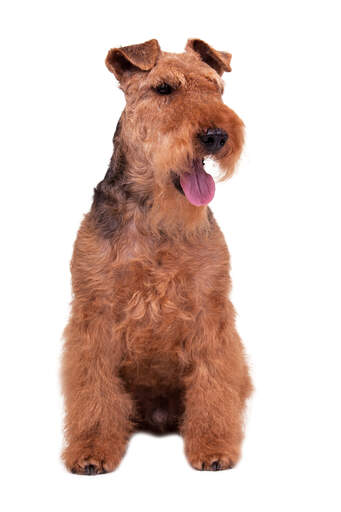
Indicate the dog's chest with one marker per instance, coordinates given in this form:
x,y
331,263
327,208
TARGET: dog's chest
x,y
159,290
156,282
158,310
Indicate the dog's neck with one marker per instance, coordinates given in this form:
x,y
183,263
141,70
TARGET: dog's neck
x,y
120,200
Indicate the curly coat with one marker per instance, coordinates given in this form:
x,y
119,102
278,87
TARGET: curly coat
x,y
151,342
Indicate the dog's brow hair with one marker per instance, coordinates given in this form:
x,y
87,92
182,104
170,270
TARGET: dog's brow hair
x,y
174,80
181,81
218,82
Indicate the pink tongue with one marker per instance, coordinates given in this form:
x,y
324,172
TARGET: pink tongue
x,y
198,186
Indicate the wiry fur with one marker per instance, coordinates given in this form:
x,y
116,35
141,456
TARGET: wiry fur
x,y
151,342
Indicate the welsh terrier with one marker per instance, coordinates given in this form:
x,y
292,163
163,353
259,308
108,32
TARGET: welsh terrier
x,y
151,343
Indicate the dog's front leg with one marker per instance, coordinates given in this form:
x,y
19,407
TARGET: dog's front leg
x,y
98,410
216,390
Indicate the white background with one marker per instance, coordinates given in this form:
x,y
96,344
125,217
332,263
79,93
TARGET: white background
x,y
280,214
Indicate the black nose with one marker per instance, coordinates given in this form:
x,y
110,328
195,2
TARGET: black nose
x,y
213,139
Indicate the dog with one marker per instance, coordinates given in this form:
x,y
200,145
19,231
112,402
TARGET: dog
x,y
151,342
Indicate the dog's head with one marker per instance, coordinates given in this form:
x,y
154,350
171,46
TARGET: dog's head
x,y
175,117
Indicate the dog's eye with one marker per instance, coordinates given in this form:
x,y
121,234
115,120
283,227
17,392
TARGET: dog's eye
x,y
164,89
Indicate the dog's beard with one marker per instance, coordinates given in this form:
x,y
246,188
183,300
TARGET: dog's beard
x,y
183,163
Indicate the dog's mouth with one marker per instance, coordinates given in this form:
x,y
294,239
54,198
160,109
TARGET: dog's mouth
x,y
196,184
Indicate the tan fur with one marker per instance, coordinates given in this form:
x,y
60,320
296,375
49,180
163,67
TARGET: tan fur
x,y
151,341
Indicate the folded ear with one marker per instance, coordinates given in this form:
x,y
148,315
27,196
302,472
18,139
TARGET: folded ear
x,y
133,58
220,61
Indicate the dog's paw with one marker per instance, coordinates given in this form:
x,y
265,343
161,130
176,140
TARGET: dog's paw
x,y
91,459
90,467
212,462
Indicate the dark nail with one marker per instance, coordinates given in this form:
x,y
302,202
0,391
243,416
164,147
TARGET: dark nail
x,y
90,469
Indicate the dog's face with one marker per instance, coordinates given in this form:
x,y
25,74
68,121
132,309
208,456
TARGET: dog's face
x,y
175,117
